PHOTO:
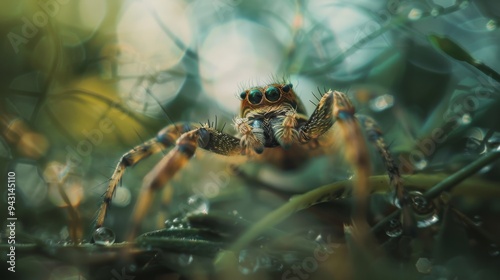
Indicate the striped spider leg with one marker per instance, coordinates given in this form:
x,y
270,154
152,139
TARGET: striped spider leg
x,y
185,138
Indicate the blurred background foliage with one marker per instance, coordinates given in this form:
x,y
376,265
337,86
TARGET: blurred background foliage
x,y
83,81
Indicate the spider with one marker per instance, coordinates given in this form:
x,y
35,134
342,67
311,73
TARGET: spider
x,y
273,127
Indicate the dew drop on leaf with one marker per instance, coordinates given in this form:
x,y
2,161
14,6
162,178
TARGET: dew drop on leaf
x,y
185,259
394,228
197,204
104,236
249,261
491,25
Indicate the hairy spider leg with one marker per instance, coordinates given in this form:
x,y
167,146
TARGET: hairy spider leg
x,y
335,107
204,137
374,135
164,139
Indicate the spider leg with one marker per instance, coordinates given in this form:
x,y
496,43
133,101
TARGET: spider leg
x,y
320,121
374,134
336,106
165,138
204,137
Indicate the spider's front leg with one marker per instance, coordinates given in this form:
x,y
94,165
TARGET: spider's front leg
x,y
165,138
336,106
204,137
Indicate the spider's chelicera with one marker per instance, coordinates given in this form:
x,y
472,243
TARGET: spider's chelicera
x,y
273,126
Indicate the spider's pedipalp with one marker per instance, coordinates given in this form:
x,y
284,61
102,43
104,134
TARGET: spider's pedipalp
x,y
252,137
285,129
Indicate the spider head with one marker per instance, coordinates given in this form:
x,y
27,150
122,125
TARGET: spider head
x,y
270,97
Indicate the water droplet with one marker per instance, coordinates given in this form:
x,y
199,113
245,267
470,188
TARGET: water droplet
x,y
420,165
276,265
493,143
176,223
65,243
415,14
311,234
494,251
249,261
265,262
474,142
185,259
104,236
427,221
197,204
465,119
425,211
434,12
235,213
394,228
478,220
122,197
381,103
64,233
423,265
491,25
168,223
420,204
319,239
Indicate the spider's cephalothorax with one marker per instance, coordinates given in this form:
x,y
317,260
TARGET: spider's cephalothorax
x,y
273,123
273,115
269,117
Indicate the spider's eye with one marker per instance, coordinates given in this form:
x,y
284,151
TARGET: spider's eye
x,y
287,88
272,94
255,96
243,95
